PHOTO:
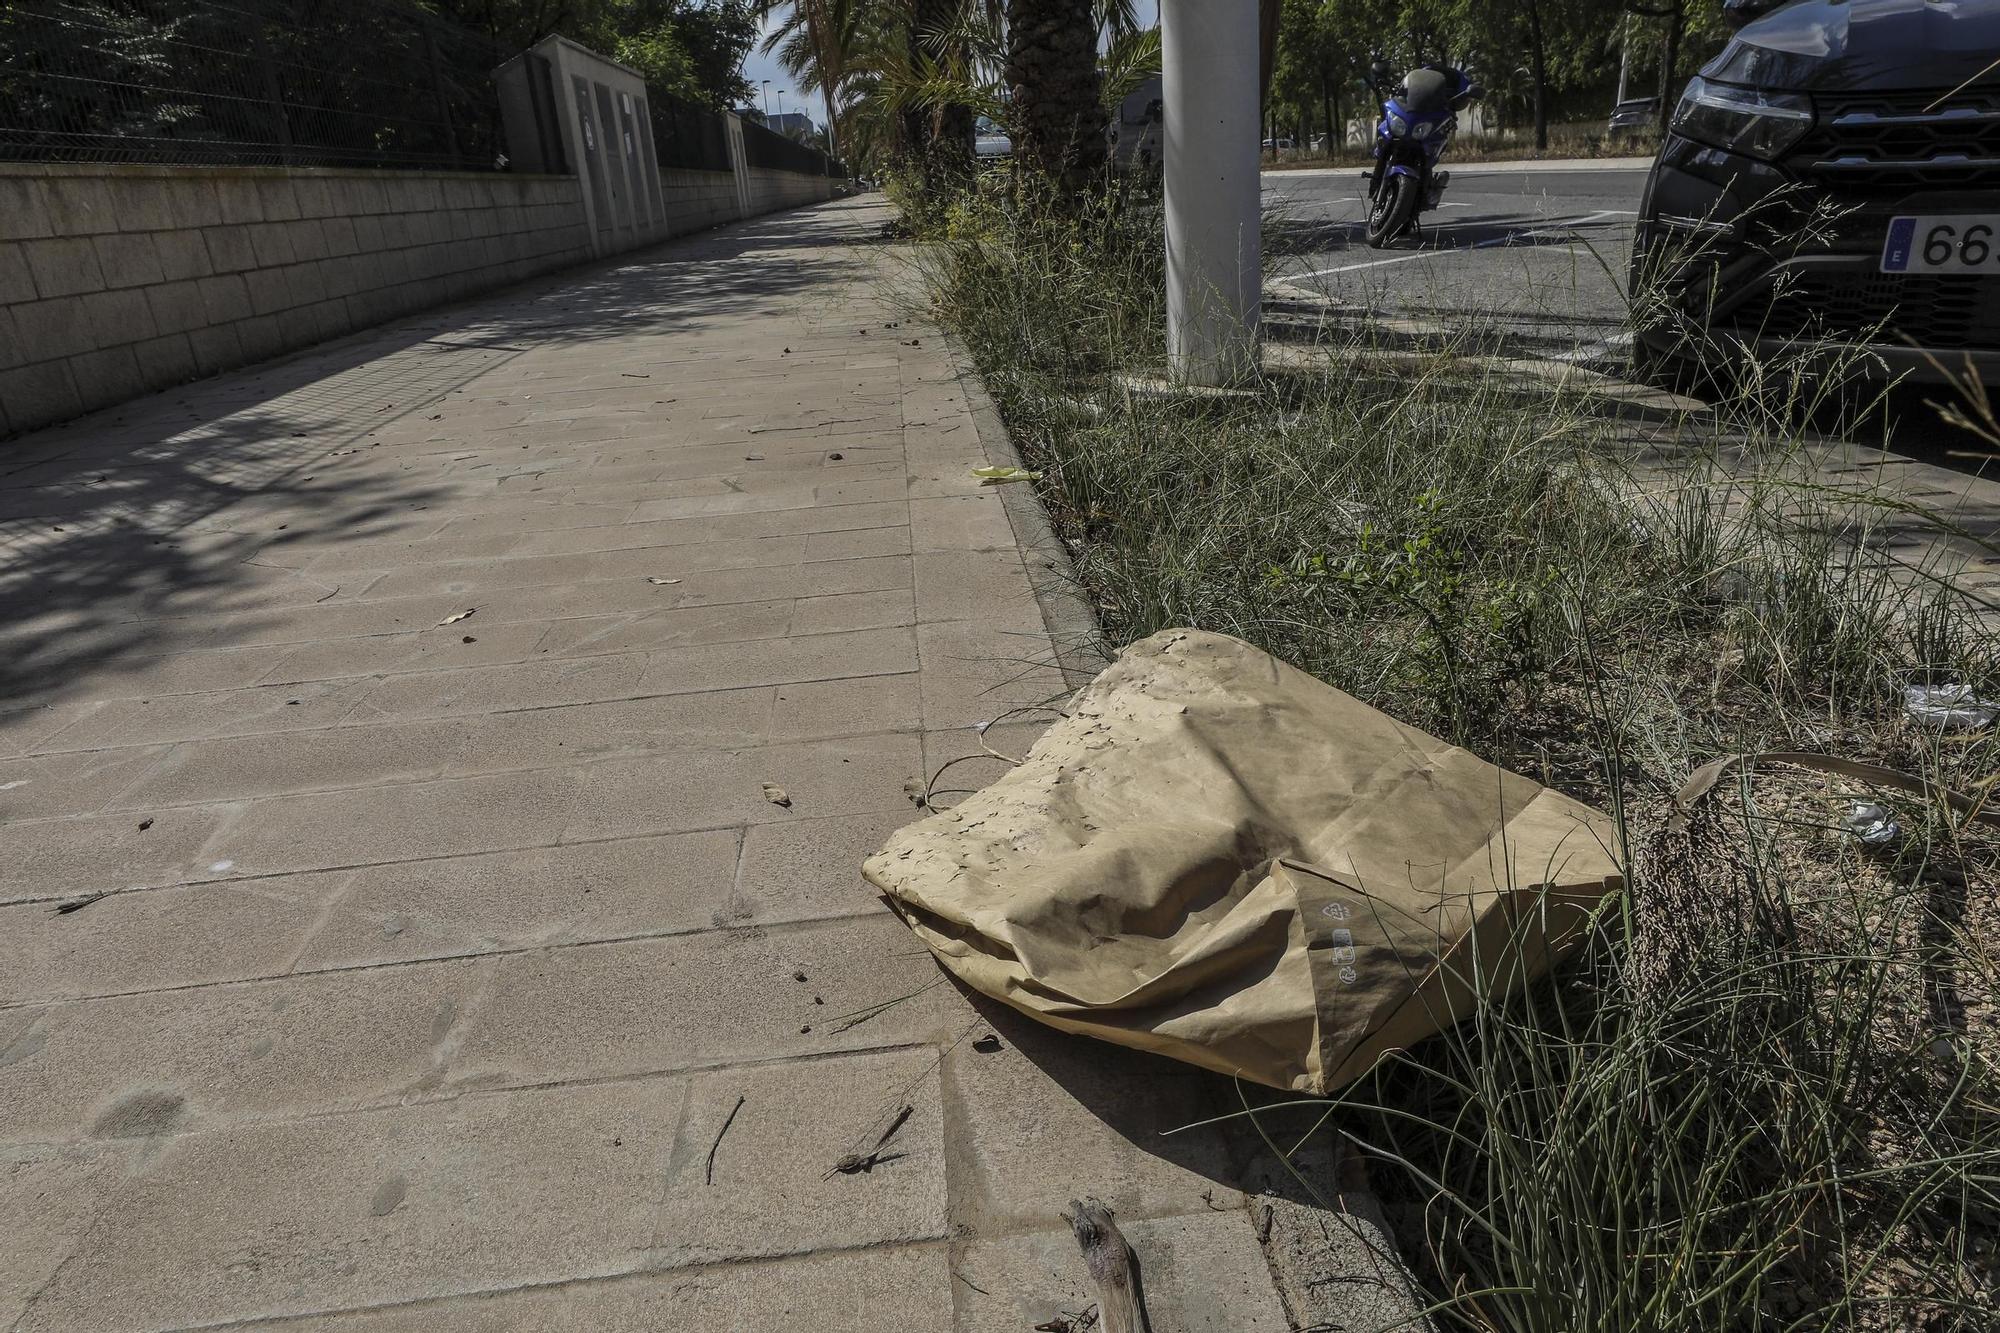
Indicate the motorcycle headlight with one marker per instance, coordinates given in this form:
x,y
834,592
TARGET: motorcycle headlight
x,y
1422,128
1397,125
1742,120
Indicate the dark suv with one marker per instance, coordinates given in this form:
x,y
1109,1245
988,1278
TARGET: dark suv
x,y
1833,174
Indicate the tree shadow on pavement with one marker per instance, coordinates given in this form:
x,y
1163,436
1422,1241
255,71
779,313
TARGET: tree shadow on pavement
x,y
1291,237
164,525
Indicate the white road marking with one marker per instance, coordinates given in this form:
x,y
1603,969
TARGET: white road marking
x,y
1604,349
1562,224
1497,168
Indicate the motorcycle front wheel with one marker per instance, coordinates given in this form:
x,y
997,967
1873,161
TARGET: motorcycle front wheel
x,y
1389,216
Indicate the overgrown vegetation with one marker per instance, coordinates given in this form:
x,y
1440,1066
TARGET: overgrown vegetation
x,y
1765,1094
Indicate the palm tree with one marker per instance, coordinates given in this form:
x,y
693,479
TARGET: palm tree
x,y
815,42
1057,112
946,43
915,73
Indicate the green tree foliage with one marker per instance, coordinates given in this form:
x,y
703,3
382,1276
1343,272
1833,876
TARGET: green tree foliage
x,y
1532,56
1320,75
1537,49
819,42
693,49
1672,38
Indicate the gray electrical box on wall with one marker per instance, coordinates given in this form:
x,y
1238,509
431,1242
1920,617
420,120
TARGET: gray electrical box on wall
x,y
568,109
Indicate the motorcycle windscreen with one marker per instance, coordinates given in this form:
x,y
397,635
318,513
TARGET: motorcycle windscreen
x,y
1426,91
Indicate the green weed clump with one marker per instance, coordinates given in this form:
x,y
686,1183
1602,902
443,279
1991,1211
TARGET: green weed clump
x,y
1767,1096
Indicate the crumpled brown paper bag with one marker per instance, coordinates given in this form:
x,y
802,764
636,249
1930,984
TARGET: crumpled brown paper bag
x,y
1219,858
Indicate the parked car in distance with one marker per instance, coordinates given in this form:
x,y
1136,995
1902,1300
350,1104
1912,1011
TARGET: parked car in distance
x,y
1634,115
1831,180
989,140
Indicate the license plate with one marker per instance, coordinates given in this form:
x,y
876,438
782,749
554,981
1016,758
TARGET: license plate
x,y
1943,243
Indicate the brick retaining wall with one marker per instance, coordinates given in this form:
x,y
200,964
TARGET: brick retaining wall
x,y
117,280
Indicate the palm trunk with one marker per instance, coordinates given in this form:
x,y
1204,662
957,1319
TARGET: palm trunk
x,y
948,129
829,74
1670,57
1058,109
1326,106
1270,16
1539,68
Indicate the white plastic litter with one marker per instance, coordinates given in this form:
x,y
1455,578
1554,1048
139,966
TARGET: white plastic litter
x,y
1948,707
1872,823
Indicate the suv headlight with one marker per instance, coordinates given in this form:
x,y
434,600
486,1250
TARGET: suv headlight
x,y
1742,120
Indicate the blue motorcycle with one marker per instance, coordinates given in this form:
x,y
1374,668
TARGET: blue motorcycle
x,y
1417,123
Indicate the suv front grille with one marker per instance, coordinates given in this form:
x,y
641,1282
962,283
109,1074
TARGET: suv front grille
x,y
1883,141
1939,311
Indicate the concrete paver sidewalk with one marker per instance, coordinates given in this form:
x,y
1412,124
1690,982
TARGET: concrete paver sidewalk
x,y
409,704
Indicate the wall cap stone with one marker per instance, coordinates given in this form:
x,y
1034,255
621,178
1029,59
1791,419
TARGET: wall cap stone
x,y
184,171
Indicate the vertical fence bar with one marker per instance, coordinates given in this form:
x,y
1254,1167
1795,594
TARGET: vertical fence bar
x,y
274,93
443,98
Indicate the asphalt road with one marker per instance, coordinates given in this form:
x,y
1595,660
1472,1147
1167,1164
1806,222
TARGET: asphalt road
x,y
1535,253
1538,248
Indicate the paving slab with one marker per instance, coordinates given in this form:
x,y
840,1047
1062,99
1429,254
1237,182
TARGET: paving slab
x,y
864,1291
1201,1273
973,585
1042,1109
215,1054
366,965
516,901
807,870
330,758
65,860
977,672
684,1002
441,1198
180,936
781,1134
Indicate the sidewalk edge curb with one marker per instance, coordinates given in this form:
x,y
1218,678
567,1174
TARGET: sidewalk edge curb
x,y
1080,645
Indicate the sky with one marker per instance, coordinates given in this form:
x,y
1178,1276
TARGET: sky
x,y
760,67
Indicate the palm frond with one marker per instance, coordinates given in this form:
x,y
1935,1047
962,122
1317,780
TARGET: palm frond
x,y
1132,58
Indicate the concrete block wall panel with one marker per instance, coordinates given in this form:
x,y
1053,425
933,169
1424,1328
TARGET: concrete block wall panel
x,y
769,190
116,279
698,200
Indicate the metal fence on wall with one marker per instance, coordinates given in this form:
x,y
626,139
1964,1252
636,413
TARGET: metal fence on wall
x,y
687,135
363,83
765,147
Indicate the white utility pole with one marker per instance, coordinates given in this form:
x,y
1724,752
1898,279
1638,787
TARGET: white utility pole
x,y
1209,57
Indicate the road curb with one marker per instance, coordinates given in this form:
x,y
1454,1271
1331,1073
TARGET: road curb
x,y
1081,648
